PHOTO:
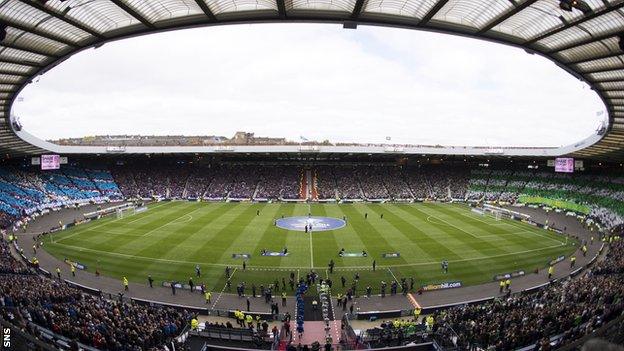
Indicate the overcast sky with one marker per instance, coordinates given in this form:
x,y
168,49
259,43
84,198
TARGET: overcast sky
x,y
317,81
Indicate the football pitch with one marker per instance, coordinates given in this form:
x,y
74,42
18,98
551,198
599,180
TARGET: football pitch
x,y
171,238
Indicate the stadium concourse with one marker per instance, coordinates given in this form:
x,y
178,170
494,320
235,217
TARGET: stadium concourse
x,y
43,200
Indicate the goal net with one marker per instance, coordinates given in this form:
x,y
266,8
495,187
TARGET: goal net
x,y
487,211
125,211
497,215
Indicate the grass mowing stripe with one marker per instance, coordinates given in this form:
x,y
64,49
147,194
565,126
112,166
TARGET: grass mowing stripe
x,y
171,252
131,245
508,243
92,225
174,221
283,238
220,228
112,243
523,226
171,244
480,245
325,240
435,247
80,233
256,226
450,224
538,233
396,231
373,240
215,246
122,227
202,223
453,244
141,246
146,214
345,238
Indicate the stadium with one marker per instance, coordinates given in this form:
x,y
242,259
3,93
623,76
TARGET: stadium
x,y
205,242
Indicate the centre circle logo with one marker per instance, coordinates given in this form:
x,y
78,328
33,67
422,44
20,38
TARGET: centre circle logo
x,y
318,224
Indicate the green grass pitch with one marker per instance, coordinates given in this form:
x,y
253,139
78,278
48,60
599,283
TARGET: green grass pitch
x,y
169,239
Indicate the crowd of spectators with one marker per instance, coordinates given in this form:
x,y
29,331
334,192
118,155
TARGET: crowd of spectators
x,y
26,298
394,333
87,319
279,182
572,308
183,181
390,182
602,194
245,183
371,180
346,183
25,190
566,310
325,182
221,184
8,264
395,184
197,183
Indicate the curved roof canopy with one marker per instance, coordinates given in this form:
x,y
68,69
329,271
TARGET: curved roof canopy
x,y
580,36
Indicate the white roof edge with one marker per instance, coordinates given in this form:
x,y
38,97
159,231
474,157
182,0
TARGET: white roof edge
x,y
360,149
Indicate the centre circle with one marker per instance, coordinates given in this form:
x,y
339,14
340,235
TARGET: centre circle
x,y
314,223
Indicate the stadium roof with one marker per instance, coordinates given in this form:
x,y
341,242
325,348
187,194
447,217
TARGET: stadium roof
x,y
584,41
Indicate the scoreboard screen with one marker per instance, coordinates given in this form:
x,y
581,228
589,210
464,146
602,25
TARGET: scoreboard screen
x,y
564,165
50,162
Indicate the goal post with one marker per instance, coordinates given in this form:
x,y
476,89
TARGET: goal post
x,y
491,212
497,215
123,212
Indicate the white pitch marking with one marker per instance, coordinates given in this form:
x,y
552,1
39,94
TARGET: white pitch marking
x,y
88,229
148,213
190,218
540,234
270,268
449,224
311,252
104,222
222,290
393,276
172,222
477,219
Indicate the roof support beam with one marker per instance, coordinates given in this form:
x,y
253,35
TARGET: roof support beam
x,y
610,90
357,9
206,10
18,62
62,17
507,15
581,43
12,73
574,23
595,58
612,80
129,10
40,33
281,8
23,48
594,71
437,7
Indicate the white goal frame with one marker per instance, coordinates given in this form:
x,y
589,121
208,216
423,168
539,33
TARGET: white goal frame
x,y
125,211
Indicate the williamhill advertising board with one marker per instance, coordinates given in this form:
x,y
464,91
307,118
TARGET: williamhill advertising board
x,y
441,286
